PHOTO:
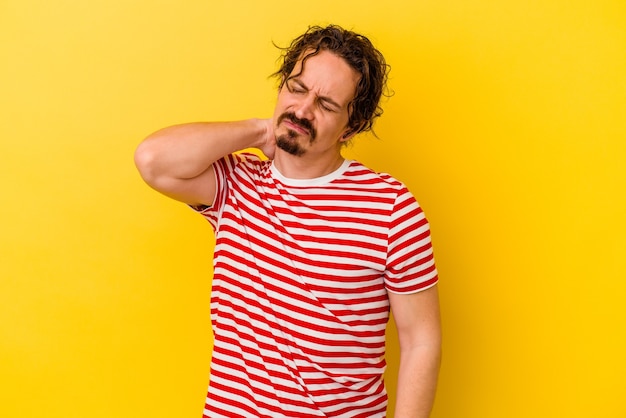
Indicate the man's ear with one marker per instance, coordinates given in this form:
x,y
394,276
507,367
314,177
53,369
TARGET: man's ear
x,y
347,134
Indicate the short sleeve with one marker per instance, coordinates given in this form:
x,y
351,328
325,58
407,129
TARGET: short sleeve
x,y
410,258
223,168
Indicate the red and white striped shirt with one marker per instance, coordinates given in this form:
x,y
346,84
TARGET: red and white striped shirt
x,y
299,299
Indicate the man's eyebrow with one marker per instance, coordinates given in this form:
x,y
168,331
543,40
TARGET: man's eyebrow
x,y
326,99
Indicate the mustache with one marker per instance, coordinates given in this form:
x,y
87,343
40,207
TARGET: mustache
x,y
304,123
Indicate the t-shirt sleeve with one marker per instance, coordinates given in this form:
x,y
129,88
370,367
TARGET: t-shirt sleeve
x,y
410,259
223,168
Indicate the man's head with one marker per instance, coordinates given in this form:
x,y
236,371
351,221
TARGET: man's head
x,y
358,53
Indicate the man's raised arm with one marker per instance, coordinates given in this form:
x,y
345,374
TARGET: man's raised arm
x,y
178,161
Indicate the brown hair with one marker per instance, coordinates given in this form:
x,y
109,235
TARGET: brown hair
x,y
359,53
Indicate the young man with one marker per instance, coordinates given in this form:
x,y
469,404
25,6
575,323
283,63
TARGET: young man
x,y
312,250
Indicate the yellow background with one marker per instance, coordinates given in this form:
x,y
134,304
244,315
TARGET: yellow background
x,y
508,123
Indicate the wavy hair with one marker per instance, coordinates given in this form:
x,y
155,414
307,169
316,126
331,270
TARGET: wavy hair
x,y
359,53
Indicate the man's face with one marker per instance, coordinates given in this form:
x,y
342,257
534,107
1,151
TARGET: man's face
x,y
311,114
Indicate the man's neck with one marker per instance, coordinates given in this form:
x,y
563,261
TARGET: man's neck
x,y
304,167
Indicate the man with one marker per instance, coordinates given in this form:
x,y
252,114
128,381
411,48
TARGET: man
x,y
312,250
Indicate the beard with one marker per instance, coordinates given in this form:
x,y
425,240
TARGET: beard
x,y
288,141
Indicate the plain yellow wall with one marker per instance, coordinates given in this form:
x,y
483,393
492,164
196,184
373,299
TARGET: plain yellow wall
x,y
508,123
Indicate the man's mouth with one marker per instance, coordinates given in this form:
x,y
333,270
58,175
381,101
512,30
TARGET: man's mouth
x,y
299,128
297,125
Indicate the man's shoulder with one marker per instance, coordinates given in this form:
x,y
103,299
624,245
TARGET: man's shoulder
x,y
363,173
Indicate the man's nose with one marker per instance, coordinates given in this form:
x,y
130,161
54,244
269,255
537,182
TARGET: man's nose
x,y
304,108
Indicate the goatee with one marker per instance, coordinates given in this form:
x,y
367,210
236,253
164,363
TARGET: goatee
x,y
287,142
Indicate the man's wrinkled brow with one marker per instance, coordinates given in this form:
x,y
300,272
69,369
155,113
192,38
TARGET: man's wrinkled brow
x,y
326,99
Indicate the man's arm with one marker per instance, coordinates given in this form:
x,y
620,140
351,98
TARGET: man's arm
x,y
178,161
419,333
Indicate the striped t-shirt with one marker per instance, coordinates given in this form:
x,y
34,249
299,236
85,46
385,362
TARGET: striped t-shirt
x,y
299,300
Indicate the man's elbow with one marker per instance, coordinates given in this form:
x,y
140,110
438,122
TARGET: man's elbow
x,y
145,161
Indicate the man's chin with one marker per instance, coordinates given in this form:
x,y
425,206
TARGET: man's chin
x,y
289,144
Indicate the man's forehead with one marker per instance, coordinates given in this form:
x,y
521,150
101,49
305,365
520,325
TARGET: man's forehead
x,y
310,53
338,75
